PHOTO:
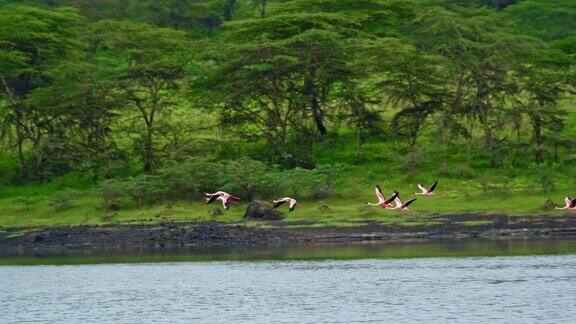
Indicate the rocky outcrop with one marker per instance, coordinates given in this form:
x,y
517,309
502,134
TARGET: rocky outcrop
x,y
259,209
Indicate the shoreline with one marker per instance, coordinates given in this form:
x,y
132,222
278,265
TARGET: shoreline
x,y
133,237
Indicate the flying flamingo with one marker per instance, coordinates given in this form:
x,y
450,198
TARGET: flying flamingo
x,y
570,204
225,197
286,200
402,205
382,202
427,192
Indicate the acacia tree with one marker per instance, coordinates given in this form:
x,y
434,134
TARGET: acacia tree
x,y
149,64
33,42
410,81
543,81
83,106
278,88
480,56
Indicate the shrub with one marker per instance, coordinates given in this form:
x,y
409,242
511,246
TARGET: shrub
x,y
112,191
412,162
464,172
443,171
146,189
545,179
484,182
64,200
317,183
247,177
193,177
244,177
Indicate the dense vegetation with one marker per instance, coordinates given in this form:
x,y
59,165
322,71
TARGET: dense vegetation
x,y
126,105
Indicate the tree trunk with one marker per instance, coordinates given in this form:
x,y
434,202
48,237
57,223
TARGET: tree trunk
x,y
315,106
489,140
21,159
536,121
148,151
318,115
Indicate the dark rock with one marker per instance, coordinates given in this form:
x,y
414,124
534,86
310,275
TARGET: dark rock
x,y
207,231
167,232
259,209
38,238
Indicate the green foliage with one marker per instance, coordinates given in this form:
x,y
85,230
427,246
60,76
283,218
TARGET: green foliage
x,y
244,177
167,95
551,19
64,200
112,191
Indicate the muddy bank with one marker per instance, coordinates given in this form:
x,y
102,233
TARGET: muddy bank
x,y
16,241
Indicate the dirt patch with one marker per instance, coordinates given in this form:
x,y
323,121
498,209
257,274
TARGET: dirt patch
x,y
15,241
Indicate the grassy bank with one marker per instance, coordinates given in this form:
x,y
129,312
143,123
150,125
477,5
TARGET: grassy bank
x,y
36,206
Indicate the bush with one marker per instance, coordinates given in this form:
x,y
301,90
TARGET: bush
x,y
244,177
247,177
147,189
112,191
484,182
443,171
317,183
64,201
464,172
412,162
191,178
545,179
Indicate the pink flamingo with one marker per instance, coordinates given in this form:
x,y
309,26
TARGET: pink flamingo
x,y
225,197
427,192
570,204
402,205
382,202
286,200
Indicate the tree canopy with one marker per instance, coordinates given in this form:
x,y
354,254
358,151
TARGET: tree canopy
x,y
110,87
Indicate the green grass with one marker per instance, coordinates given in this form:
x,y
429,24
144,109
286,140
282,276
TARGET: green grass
x,y
453,197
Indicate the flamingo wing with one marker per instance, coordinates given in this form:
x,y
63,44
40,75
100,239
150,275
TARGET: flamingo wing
x,y
379,194
409,202
217,194
224,201
433,186
398,202
293,204
572,203
278,203
421,187
391,199
211,199
234,198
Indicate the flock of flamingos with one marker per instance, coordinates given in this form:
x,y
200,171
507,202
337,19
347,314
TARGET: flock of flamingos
x,y
394,202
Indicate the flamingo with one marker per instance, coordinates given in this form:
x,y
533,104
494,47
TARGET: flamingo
x,y
382,202
224,197
570,204
402,205
286,200
427,192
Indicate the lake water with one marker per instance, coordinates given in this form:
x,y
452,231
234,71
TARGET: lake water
x,y
530,281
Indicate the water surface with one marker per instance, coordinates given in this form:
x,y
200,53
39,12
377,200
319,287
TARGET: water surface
x,y
516,287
